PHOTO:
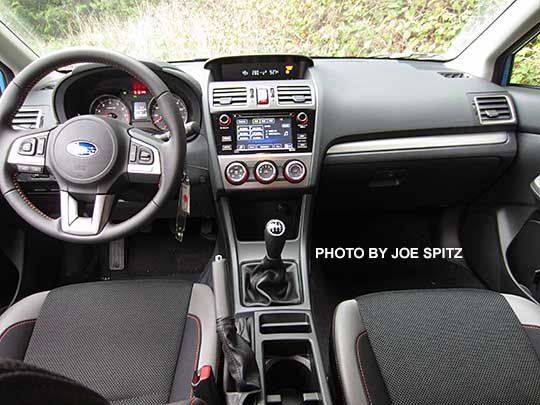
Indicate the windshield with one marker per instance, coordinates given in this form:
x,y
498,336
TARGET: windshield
x,y
199,29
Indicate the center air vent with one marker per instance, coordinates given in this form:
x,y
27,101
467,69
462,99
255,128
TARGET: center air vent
x,y
27,118
494,109
226,96
294,94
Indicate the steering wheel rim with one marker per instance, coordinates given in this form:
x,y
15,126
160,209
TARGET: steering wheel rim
x,y
169,154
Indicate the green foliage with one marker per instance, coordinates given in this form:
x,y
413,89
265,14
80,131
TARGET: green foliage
x,y
184,29
526,69
52,19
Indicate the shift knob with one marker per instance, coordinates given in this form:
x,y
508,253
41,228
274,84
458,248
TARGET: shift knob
x,y
274,237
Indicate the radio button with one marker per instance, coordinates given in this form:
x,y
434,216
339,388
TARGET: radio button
x,y
236,173
225,120
226,138
294,171
302,118
265,172
301,136
226,148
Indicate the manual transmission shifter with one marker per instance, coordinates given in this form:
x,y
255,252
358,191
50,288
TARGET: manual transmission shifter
x,y
272,281
274,237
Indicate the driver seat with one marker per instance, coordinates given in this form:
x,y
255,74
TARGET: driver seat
x,y
132,342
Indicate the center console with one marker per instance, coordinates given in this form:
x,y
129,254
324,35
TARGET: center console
x,y
263,134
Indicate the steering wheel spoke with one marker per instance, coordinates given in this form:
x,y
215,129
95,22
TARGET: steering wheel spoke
x,y
72,222
145,157
28,151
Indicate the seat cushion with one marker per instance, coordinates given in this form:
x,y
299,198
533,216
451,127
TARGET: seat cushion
x,y
439,346
133,342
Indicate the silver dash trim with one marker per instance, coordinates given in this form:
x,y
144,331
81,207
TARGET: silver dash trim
x,y
421,142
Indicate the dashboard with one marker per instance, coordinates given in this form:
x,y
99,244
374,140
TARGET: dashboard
x,y
366,133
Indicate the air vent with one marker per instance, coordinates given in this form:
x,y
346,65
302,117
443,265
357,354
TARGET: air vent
x,y
226,96
27,118
294,94
455,75
494,109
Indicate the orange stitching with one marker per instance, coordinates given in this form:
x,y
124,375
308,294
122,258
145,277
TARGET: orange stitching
x,y
26,200
196,319
364,382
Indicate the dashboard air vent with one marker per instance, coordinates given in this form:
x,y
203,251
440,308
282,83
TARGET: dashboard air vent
x,y
294,94
27,118
229,96
495,109
455,75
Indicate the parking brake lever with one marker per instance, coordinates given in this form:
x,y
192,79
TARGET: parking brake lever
x,y
239,356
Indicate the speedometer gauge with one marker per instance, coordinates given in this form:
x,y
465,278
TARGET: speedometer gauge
x,y
111,107
157,118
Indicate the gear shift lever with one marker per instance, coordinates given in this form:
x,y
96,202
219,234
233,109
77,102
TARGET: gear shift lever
x,y
274,237
270,282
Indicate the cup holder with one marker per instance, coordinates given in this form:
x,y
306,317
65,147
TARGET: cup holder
x,y
290,373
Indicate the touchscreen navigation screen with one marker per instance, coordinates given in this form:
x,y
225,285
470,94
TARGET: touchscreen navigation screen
x,y
263,134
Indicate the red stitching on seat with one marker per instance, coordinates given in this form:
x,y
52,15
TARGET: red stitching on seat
x,y
364,382
531,326
20,323
196,363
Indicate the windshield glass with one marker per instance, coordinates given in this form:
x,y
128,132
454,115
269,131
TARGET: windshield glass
x,y
192,29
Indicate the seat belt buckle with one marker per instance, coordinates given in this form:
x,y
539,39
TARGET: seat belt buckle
x,y
203,385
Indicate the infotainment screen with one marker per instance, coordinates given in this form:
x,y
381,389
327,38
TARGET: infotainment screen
x,y
263,133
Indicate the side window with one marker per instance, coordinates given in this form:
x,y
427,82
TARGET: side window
x,y
526,66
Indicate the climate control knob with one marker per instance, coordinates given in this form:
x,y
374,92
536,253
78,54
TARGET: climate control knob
x,y
302,118
224,120
236,173
265,172
294,171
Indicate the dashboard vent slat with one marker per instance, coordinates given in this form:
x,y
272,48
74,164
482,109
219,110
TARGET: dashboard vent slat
x,y
27,118
494,109
294,94
229,96
455,75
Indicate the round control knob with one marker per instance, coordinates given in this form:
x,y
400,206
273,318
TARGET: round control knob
x,y
302,118
294,171
236,173
225,120
265,172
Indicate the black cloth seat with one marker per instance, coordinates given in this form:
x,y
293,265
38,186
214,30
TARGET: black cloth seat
x,y
132,342
438,347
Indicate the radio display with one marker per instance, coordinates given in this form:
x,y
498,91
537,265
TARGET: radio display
x,y
260,71
263,134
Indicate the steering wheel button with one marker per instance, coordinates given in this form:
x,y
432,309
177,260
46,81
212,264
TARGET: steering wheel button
x,y
145,156
28,147
133,153
40,148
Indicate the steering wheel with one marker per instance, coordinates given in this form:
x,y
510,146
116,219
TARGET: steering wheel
x,y
91,157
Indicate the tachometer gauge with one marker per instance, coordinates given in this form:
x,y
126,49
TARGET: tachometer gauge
x,y
111,107
157,118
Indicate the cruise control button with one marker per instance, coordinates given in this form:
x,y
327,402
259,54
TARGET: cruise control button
x,y
28,147
29,169
146,157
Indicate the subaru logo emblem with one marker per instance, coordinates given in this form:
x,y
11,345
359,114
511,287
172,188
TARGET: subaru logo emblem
x,y
82,149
